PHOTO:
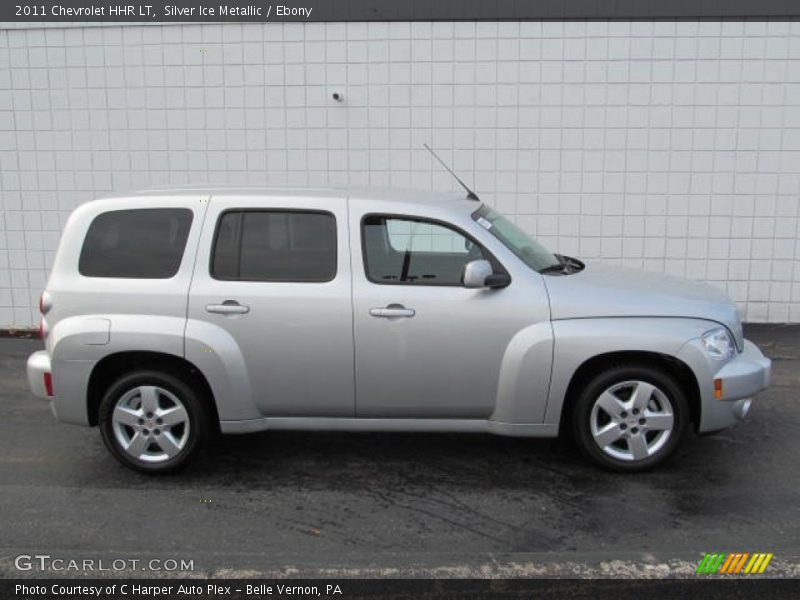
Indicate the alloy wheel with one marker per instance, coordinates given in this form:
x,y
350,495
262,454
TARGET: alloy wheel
x,y
632,420
150,423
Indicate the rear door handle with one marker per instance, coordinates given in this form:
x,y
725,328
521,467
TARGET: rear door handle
x,y
393,310
229,307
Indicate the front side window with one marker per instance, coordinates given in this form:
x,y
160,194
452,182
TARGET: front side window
x,y
143,243
275,245
415,251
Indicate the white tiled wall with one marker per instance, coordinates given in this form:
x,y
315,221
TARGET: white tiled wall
x,y
668,146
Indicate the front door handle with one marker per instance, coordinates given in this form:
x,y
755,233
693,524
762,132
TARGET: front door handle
x,y
229,307
392,311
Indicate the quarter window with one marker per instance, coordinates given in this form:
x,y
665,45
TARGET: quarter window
x,y
271,245
143,243
416,252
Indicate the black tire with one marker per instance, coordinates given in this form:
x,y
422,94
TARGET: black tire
x,y
617,375
199,424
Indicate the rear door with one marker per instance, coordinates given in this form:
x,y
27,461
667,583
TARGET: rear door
x,y
274,274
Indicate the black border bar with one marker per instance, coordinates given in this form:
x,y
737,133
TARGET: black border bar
x,y
32,11
707,588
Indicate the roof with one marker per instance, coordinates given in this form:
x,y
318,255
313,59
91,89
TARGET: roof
x,y
378,194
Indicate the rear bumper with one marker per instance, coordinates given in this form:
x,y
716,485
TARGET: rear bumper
x,y
742,377
38,366
69,379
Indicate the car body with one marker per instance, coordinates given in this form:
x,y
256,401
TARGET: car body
x,y
245,309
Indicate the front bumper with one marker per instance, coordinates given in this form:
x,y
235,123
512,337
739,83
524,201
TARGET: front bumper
x,y
742,377
38,366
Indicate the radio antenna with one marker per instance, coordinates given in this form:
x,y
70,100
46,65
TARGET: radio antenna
x,y
470,194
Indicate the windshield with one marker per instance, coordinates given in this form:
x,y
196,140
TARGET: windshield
x,y
531,252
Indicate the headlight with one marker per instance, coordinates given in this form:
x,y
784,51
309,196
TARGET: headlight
x,y
719,344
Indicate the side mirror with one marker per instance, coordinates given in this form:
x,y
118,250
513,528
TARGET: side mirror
x,y
479,274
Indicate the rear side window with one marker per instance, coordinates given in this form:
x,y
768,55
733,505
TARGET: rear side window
x,y
140,243
273,245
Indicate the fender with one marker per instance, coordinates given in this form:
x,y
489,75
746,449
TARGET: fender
x,y
578,340
87,339
525,372
215,352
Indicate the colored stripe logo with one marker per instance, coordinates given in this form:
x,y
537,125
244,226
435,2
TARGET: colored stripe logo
x,y
734,564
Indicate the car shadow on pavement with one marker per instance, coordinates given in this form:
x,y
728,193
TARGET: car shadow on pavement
x,y
353,461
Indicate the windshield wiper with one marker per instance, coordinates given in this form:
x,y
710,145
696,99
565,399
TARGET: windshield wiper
x,y
559,267
566,265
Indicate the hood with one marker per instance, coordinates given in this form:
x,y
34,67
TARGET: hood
x,y
602,290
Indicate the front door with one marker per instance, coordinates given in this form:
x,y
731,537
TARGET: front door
x,y
426,347
273,274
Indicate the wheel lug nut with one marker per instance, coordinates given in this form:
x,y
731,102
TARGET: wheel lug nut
x,y
141,421
642,421
635,430
159,421
149,415
636,411
623,414
623,426
146,431
157,432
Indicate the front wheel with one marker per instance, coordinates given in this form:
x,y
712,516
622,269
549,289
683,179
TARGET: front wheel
x,y
630,418
153,421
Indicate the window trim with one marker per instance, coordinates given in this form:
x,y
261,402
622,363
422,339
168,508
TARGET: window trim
x,y
245,209
497,266
138,209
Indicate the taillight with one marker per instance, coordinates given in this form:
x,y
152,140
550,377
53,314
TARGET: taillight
x,y
48,383
45,303
42,329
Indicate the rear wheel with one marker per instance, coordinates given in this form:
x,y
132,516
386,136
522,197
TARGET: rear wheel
x,y
630,417
153,421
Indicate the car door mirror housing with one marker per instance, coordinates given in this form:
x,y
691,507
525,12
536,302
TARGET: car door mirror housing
x,y
480,274
498,280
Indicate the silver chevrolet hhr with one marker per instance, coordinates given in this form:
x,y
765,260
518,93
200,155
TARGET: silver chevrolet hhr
x,y
171,314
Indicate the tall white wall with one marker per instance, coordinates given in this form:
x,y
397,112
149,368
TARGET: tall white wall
x,y
668,146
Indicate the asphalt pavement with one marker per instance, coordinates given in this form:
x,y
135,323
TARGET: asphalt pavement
x,y
345,504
